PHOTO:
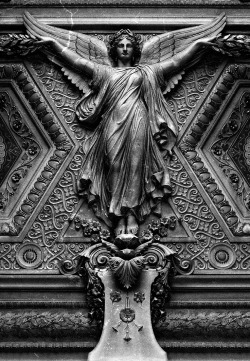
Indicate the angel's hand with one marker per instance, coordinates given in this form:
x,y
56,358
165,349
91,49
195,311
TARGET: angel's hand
x,y
209,41
44,41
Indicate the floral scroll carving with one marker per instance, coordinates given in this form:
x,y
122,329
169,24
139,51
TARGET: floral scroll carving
x,y
115,263
30,147
188,146
49,225
187,95
60,140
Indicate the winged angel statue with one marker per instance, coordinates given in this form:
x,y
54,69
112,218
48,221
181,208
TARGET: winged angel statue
x,y
124,175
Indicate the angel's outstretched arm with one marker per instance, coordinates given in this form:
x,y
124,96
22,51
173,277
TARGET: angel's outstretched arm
x,y
182,60
69,56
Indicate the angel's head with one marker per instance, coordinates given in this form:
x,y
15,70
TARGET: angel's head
x,y
125,45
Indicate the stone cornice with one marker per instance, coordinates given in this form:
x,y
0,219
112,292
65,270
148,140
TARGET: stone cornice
x,y
220,282
100,16
127,3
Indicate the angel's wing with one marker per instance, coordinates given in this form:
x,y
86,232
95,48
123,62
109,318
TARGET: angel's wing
x,y
163,47
84,45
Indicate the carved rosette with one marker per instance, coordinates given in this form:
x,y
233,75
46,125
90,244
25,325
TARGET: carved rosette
x,y
29,255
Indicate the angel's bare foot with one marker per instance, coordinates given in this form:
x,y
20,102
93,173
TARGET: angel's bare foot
x,y
132,225
121,227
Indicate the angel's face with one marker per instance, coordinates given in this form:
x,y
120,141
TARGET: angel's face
x,y
125,50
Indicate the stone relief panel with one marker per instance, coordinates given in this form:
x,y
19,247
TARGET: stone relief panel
x,y
217,150
41,151
22,150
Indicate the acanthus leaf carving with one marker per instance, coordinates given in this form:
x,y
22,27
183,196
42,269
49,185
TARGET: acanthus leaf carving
x,y
127,271
126,256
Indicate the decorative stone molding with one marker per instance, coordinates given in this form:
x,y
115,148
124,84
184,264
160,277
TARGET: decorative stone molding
x,y
86,346
135,3
210,324
18,74
213,325
52,324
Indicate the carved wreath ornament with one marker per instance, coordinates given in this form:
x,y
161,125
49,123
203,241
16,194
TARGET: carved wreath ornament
x,y
23,45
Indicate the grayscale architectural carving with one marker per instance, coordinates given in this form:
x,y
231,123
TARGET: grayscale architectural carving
x,y
124,180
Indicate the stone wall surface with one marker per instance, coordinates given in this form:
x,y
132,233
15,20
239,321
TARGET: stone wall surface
x,y
44,314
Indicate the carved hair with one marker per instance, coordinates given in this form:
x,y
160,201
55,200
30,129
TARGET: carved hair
x,y
120,35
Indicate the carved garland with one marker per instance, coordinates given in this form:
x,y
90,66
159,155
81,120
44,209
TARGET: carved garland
x,y
58,324
44,324
18,73
213,324
190,141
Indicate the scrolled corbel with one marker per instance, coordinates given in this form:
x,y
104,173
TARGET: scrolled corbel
x,y
128,287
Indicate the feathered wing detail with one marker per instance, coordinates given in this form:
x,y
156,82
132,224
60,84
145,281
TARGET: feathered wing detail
x,y
84,45
173,81
163,47
77,79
